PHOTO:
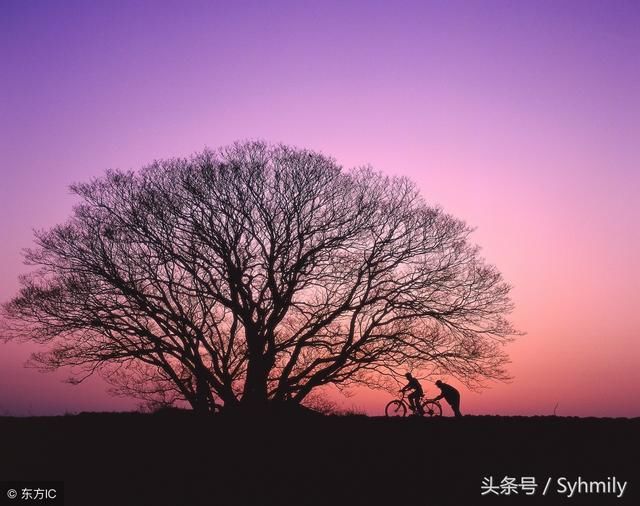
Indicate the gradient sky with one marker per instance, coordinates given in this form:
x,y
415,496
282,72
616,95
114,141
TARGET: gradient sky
x,y
523,118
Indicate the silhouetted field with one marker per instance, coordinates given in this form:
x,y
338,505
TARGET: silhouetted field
x,y
182,459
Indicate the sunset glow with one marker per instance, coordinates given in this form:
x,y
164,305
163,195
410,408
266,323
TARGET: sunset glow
x,y
521,119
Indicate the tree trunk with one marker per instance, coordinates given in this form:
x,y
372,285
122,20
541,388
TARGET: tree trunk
x,y
255,395
202,403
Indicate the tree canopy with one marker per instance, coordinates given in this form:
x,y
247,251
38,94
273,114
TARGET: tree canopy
x,y
258,273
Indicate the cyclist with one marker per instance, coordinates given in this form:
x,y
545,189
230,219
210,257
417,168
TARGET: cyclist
x,y
416,395
451,395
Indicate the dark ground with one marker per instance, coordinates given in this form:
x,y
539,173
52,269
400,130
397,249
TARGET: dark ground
x,y
181,459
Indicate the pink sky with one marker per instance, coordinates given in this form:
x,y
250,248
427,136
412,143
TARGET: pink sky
x,y
522,119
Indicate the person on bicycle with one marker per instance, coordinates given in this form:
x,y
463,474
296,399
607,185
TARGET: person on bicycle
x,y
416,395
451,395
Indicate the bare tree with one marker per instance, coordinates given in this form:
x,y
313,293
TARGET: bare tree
x,y
259,273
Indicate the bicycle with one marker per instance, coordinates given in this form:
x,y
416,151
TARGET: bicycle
x,y
399,407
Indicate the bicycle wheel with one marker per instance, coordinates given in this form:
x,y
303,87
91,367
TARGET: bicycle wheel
x,y
396,408
432,408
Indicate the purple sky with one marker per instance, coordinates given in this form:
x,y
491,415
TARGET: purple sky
x,y
522,118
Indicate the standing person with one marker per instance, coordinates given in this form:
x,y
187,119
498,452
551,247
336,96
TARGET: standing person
x,y
416,395
451,395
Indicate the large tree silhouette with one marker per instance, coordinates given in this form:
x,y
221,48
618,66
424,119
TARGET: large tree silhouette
x,y
255,274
